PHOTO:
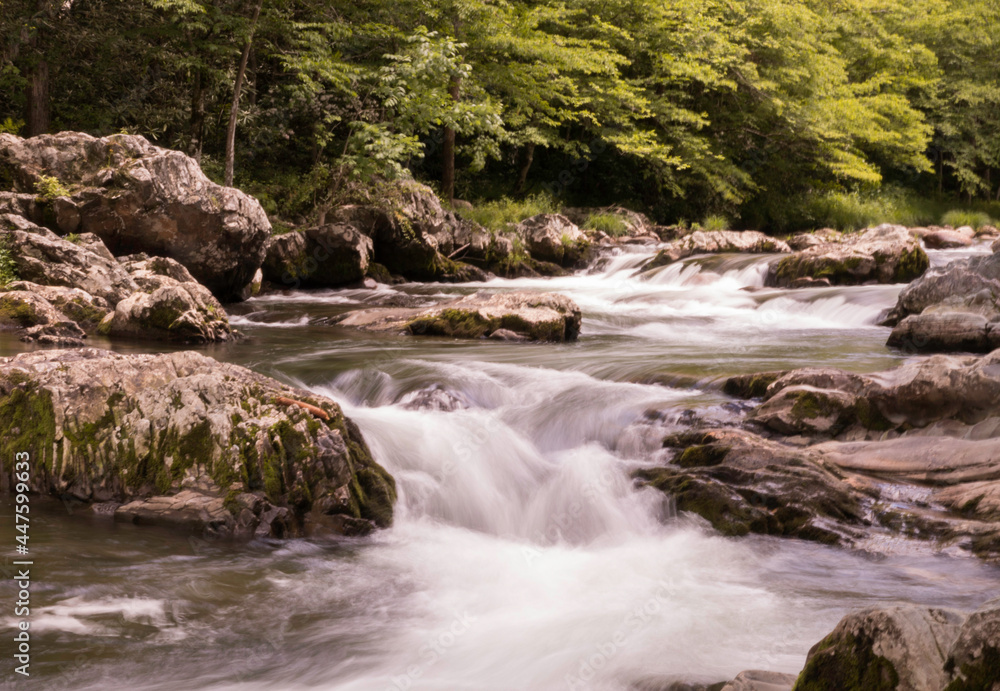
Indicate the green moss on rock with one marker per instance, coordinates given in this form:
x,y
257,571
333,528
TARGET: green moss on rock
x,y
846,663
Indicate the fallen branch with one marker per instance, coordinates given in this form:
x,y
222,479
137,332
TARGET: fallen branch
x,y
463,247
318,412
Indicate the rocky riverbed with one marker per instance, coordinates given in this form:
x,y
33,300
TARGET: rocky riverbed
x,y
518,438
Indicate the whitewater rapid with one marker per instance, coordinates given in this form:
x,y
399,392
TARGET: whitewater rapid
x,y
523,556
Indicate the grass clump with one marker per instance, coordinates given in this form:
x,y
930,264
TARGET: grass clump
x,y
608,223
716,222
497,215
956,218
49,187
8,269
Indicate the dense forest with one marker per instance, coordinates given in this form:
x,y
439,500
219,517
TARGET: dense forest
x,y
771,114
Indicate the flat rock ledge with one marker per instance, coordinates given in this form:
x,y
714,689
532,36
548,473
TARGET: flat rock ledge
x,y
181,440
908,458
514,316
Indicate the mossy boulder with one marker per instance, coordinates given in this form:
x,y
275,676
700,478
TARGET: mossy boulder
x,y
754,385
533,316
325,256
140,430
883,649
742,483
411,232
554,238
807,410
884,254
974,659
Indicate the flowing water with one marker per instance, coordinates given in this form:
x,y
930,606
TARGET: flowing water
x,y
522,556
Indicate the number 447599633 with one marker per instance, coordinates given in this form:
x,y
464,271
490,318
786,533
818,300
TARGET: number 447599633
x,y
22,475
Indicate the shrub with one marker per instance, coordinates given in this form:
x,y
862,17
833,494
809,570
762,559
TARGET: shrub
x,y
496,215
49,187
608,223
8,271
957,218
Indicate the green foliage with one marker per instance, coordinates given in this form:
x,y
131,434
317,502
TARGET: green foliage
x,y
8,270
48,188
11,126
974,219
73,237
611,224
783,113
497,215
716,222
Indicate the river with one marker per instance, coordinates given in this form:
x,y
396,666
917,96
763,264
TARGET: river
x,y
522,556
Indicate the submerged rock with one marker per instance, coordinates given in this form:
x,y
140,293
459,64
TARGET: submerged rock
x,y
138,197
714,242
183,440
884,254
535,316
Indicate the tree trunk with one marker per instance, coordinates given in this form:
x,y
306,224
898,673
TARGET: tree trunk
x,y
37,112
197,125
448,149
522,178
235,109
37,116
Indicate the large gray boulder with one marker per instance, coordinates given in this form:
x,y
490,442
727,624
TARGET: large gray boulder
x,y
138,197
884,254
326,256
180,439
899,648
510,316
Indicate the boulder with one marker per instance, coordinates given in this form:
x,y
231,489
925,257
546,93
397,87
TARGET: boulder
x,y
899,648
326,256
43,258
407,223
535,316
974,659
807,410
884,254
804,241
182,312
633,222
181,434
138,197
946,333
22,308
916,394
554,238
946,239
78,305
954,308
714,242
